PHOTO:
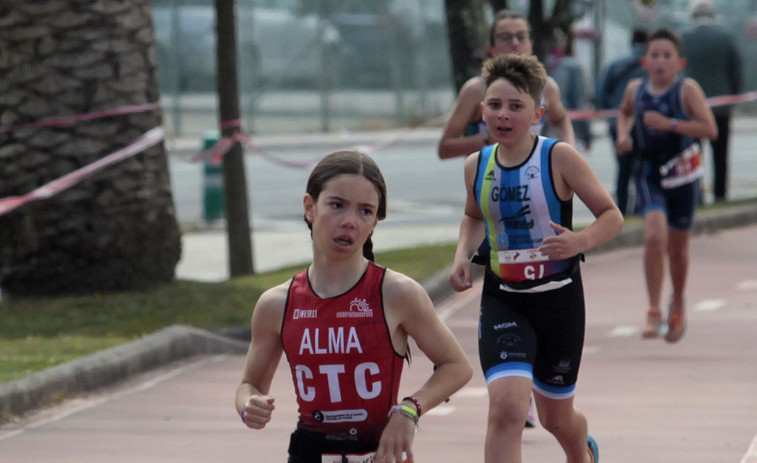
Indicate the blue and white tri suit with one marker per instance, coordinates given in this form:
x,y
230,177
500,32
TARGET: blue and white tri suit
x,y
532,308
478,127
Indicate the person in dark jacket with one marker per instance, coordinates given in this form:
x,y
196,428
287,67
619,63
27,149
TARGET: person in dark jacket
x,y
713,59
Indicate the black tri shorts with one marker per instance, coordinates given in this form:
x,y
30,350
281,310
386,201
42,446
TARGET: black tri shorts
x,y
539,336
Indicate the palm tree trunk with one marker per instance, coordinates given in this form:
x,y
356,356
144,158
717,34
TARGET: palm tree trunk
x,y
116,230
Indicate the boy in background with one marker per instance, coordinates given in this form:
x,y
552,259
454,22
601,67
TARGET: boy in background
x,y
667,113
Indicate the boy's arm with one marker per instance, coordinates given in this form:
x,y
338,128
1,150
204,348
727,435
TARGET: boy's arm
x,y
467,106
472,231
557,115
575,175
471,237
701,123
626,114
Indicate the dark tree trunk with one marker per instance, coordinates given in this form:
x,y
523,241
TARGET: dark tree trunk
x,y
466,28
465,24
543,28
235,185
498,5
116,230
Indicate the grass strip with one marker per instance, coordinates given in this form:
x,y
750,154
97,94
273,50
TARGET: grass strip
x,y
38,333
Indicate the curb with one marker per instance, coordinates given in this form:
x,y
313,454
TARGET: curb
x,y
177,342
110,366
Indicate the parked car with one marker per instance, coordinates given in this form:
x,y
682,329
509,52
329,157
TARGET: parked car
x,y
405,46
275,47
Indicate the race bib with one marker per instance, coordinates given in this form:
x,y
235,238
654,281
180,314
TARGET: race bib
x,y
369,457
522,265
683,169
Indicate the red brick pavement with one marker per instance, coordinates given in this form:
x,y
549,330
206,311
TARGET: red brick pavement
x,y
646,401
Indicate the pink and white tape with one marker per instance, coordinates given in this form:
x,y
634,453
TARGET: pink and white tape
x,y
149,139
59,121
583,114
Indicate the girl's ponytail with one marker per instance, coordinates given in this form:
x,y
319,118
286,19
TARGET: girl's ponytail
x,y
368,249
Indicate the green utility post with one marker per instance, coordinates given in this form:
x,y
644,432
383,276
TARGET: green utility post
x,y
212,181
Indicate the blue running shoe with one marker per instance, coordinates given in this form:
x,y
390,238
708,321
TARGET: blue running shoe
x,y
593,450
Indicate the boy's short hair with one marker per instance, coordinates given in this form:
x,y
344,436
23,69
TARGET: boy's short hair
x,y
506,14
524,72
667,34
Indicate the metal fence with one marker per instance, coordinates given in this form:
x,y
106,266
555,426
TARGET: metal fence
x,y
352,69
351,65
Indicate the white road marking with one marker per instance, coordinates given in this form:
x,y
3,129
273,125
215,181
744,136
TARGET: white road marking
x,y
591,349
624,331
751,455
708,305
441,410
747,285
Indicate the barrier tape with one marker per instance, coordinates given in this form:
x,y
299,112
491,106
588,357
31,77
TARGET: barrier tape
x,y
368,149
722,100
214,155
59,121
732,99
147,140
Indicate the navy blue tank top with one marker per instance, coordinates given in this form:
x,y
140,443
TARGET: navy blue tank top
x,y
656,145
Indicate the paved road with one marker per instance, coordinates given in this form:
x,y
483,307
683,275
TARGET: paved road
x,y
425,194
692,402
415,176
